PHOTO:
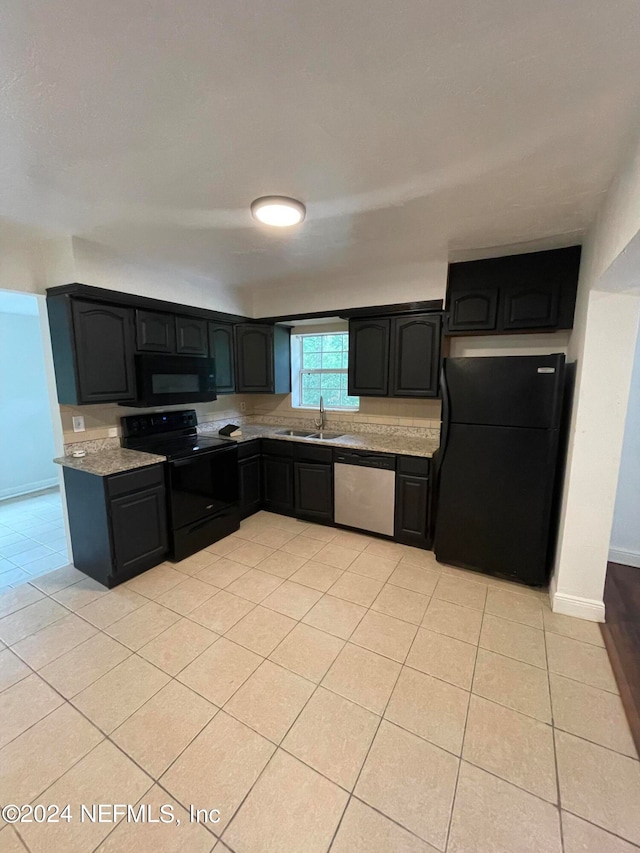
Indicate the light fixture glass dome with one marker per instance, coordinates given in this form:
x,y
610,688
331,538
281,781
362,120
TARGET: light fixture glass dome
x,y
278,210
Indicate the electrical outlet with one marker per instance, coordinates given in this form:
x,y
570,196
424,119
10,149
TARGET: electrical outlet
x,y
78,423
243,407
112,432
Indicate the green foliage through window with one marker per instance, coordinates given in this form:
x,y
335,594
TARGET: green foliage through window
x,y
324,361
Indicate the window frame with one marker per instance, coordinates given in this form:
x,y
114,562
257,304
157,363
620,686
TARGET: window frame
x,y
297,368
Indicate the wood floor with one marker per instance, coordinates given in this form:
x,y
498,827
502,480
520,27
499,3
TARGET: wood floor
x,y
621,634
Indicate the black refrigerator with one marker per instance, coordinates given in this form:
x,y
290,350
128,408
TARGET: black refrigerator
x,y
499,468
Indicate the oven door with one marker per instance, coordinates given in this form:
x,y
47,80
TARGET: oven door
x,y
203,486
168,380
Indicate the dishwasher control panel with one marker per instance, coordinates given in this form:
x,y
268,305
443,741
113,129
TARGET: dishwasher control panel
x,y
367,460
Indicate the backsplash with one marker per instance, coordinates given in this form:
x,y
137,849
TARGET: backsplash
x,y
388,411
100,419
414,418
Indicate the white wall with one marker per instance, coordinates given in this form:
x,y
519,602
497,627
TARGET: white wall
x,y
488,345
625,535
100,267
26,431
603,345
31,260
415,282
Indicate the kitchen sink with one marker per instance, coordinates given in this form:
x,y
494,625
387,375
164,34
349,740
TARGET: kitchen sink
x,y
297,433
325,436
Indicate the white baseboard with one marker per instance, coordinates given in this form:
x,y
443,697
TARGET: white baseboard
x,y
627,558
28,488
582,608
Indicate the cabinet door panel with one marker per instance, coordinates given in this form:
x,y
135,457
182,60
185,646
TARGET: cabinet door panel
x,y
474,310
155,332
415,356
104,352
254,345
139,527
412,501
191,336
277,483
369,357
531,306
313,487
221,348
250,485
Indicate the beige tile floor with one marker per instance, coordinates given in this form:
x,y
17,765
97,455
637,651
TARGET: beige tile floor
x,y
324,691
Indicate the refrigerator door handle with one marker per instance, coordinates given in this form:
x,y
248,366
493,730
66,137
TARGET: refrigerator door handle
x,y
444,425
438,456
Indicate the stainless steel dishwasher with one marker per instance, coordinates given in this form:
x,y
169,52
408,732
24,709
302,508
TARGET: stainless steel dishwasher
x,y
364,491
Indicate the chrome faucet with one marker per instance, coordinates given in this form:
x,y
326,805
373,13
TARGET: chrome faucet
x,y
319,422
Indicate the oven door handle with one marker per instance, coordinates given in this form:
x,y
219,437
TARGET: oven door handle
x,y
180,463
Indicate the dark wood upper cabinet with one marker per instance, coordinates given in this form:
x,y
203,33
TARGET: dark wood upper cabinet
x,y
155,332
474,309
263,359
517,293
369,346
395,356
221,348
531,306
191,336
103,349
415,356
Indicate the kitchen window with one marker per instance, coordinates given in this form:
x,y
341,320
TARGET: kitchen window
x,y
319,366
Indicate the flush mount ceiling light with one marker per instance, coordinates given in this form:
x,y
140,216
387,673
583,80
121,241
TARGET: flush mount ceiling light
x,y
278,210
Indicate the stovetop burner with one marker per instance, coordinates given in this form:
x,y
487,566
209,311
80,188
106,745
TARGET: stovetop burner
x,y
179,447
170,434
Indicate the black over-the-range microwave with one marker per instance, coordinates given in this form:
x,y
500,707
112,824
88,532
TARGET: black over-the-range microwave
x,y
167,380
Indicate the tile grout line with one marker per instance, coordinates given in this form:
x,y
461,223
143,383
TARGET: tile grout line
x,y
368,609
373,740
280,747
107,737
555,751
464,735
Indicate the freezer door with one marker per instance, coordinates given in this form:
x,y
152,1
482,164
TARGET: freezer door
x,y
523,391
494,500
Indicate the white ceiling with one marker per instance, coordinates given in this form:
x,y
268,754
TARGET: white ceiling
x,y
412,129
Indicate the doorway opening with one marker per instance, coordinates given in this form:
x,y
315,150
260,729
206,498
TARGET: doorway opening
x,y
33,537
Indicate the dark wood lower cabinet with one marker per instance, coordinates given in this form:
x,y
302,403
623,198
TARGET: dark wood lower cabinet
x,y
277,483
313,490
297,479
249,478
118,524
139,529
412,502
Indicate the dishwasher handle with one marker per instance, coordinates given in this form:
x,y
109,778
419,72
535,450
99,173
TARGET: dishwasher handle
x,y
366,460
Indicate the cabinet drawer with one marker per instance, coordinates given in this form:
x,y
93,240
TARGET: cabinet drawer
x,y
312,453
133,481
249,448
277,448
417,465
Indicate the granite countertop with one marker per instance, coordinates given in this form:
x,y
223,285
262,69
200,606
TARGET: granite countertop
x,y
403,446
115,460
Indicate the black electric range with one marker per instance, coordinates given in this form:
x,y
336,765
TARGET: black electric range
x,y
201,473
